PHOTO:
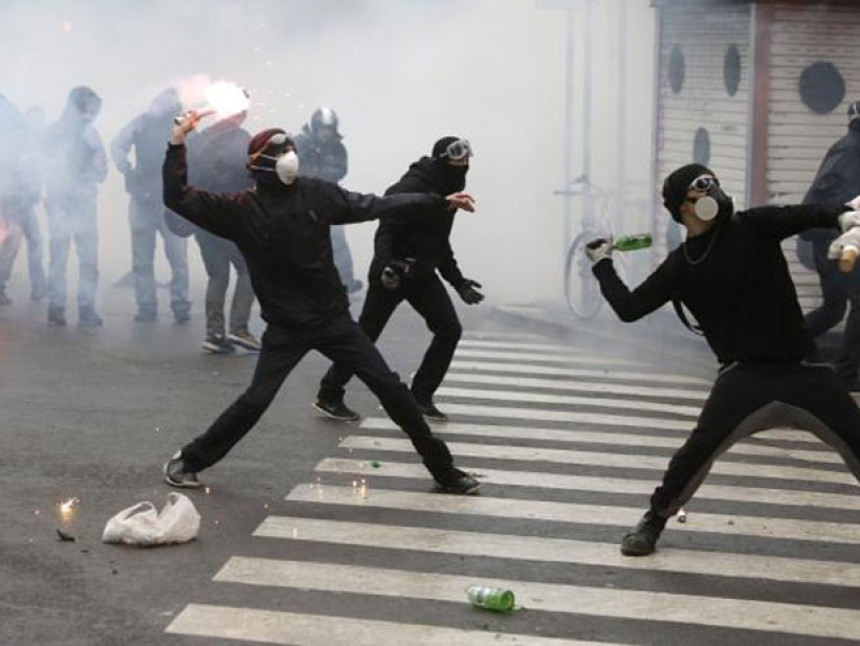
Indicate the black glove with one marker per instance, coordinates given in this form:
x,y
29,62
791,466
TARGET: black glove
x,y
468,293
395,272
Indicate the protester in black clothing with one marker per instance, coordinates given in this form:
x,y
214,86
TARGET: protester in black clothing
x,y
146,134
731,274
13,140
217,156
407,254
76,165
322,154
282,228
837,180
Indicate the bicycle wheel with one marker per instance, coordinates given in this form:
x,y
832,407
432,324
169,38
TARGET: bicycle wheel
x,y
581,289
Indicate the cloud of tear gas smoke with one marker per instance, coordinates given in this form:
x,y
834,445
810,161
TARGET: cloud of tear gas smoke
x,y
400,74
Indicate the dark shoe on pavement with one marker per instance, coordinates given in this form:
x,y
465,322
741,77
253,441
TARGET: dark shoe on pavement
x,y
245,340
181,312
87,318
56,316
218,344
458,482
642,541
176,476
429,411
336,410
146,314
4,300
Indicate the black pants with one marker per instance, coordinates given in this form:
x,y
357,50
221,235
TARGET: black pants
x,y
341,340
749,398
838,290
430,299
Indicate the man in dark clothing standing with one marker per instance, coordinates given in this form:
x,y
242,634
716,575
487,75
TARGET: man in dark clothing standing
x,y
731,274
407,254
282,228
146,134
837,180
77,164
217,157
322,155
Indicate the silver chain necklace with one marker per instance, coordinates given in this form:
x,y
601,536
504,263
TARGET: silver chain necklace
x,y
701,259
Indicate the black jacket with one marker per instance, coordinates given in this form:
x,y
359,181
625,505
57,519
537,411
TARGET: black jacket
x,y
326,161
735,281
837,180
283,233
426,235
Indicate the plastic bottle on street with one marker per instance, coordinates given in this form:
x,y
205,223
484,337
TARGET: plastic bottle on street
x,y
489,598
632,242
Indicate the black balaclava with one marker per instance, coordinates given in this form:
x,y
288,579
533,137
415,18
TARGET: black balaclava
x,y
82,98
453,177
677,184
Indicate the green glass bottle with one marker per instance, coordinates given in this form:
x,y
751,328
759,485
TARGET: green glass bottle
x,y
633,242
488,598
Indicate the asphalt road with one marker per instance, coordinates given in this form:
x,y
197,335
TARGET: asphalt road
x,y
304,541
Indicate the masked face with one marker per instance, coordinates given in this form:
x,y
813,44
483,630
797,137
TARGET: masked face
x,y
708,199
287,167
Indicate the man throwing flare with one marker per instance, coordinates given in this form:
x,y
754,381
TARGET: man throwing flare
x,y
731,274
282,227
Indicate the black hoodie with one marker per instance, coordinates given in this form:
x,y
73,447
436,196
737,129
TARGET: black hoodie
x,y
424,235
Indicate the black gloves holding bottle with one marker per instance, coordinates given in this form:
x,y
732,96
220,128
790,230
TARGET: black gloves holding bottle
x,y
469,293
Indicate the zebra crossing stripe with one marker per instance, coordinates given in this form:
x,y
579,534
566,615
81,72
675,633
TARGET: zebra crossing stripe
x,y
567,400
572,359
734,525
558,550
576,386
591,373
602,437
598,419
784,497
535,414
295,629
596,458
743,614
527,346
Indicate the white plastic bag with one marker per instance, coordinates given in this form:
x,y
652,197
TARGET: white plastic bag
x,y
141,524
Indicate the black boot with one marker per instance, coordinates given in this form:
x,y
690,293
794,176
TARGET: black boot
x,y
87,318
56,316
642,541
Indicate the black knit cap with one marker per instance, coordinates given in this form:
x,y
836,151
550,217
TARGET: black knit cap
x,y
441,146
258,142
678,183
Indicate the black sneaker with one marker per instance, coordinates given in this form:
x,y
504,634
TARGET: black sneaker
x,y
429,411
56,316
218,344
642,541
146,314
4,300
87,318
176,476
181,313
458,482
336,410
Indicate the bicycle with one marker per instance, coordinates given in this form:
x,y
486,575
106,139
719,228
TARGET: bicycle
x,y
581,290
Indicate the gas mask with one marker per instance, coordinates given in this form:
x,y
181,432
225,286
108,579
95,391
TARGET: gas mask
x,y
713,203
284,165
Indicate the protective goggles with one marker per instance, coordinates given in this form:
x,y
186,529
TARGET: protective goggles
x,y
457,150
704,183
276,140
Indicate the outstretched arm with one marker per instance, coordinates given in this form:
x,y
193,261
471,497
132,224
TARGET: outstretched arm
x,y
652,294
780,222
348,207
